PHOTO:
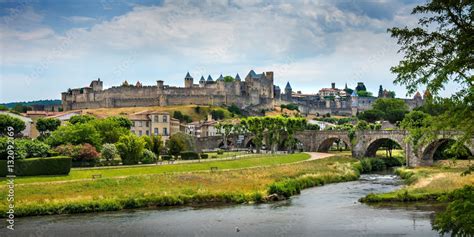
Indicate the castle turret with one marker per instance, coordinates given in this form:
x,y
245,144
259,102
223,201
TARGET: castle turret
x,y
237,77
96,85
288,91
160,84
221,78
209,79
381,92
354,102
188,81
202,81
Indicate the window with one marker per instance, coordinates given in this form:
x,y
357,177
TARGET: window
x,y
165,131
156,118
139,123
140,133
156,131
147,124
165,119
133,123
147,132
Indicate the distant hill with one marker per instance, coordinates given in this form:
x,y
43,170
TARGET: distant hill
x,y
35,102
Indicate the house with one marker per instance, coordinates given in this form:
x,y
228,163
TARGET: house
x,y
202,128
156,123
28,122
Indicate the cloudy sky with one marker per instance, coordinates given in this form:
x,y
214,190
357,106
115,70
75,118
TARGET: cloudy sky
x,y
50,46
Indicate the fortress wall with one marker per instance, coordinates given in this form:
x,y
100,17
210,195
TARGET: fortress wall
x,y
134,102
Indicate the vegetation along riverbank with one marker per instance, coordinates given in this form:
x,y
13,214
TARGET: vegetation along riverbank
x,y
242,185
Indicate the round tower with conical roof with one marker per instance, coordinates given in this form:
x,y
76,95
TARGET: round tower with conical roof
x,y
188,81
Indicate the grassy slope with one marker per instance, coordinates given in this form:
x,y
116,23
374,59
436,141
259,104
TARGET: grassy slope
x,y
426,183
78,174
233,186
185,109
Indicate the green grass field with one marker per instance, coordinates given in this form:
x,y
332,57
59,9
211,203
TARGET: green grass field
x,y
244,182
252,161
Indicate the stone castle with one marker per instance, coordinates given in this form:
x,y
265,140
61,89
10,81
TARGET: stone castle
x,y
256,91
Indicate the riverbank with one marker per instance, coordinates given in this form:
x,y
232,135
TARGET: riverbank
x,y
426,183
243,185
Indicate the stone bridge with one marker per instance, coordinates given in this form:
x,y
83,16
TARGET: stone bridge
x,y
364,143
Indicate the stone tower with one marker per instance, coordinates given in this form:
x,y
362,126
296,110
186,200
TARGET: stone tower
x,y
188,81
355,103
97,85
288,91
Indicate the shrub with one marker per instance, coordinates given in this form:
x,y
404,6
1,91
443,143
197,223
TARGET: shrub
x,y
204,155
166,157
87,152
220,152
130,148
75,134
392,162
109,152
24,148
366,165
189,155
9,121
60,165
180,142
377,164
148,157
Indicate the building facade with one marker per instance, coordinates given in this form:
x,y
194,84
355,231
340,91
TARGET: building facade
x,y
154,123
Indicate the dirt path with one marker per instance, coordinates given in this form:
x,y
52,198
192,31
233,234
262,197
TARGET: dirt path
x,y
318,155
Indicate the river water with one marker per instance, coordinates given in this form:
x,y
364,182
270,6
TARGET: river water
x,y
331,210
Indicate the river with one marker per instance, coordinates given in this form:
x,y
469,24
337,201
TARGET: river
x,y
331,210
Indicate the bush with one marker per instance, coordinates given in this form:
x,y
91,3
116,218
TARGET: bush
x,y
166,157
366,165
109,152
189,155
9,121
24,148
59,165
75,134
204,155
377,164
148,157
220,152
82,155
392,162
130,148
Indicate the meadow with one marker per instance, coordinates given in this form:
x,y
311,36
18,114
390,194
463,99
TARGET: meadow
x,y
246,181
120,172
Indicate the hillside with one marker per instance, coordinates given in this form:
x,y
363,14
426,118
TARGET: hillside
x,y
191,110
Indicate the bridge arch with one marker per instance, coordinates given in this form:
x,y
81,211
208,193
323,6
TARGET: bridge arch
x,y
374,145
429,151
327,142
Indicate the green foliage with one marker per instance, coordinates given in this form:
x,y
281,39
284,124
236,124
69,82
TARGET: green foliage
x,y
78,133
378,164
3,108
458,219
416,123
371,115
310,126
166,157
436,53
228,79
338,121
362,125
204,155
220,152
274,130
21,108
153,143
183,118
364,93
79,153
217,114
392,110
189,155
290,106
179,142
47,125
234,109
149,157
112,128
109,152
130,148
9,121
60,165
24,148
81,119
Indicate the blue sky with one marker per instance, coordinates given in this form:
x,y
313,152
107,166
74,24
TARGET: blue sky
x,y
50,46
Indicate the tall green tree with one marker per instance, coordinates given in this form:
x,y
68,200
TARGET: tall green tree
x,y
7,121
47,125
130,148
437,52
